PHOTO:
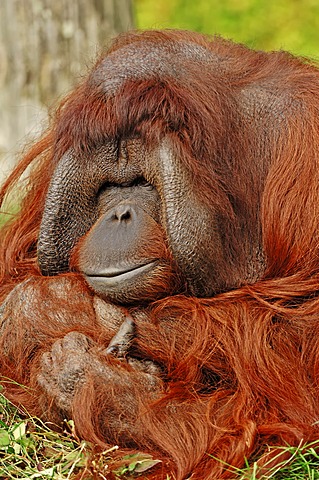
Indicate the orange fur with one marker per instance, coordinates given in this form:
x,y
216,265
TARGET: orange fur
x,y
259,341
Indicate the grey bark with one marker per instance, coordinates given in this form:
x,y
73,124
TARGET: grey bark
x,y
45,45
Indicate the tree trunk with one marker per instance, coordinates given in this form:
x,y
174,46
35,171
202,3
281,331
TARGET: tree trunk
x,y
44,47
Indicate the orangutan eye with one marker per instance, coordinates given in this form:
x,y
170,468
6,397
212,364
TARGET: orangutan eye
x,y
144,183
138,182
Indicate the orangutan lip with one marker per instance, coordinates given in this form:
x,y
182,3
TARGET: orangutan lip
x,y
113,276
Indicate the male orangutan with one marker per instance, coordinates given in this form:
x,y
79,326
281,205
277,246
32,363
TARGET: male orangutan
x,y
160,281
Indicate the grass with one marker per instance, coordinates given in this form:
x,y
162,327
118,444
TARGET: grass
x,y
302,463
29,449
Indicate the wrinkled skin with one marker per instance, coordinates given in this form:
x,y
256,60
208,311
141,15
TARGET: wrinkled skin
x,y
160,190
71,363
123,256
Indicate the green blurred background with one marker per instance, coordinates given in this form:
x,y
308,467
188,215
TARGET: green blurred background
x,y
270,25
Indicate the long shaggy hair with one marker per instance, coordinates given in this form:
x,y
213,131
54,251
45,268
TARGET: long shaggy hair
x,y
242,368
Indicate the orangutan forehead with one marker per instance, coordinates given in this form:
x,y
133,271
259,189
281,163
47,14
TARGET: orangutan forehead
x,y
148,60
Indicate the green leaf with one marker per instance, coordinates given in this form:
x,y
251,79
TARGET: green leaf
x,y
4,438
144,465
19,430
138,463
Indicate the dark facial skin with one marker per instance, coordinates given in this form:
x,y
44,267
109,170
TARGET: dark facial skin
x,y
133,224
123,257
